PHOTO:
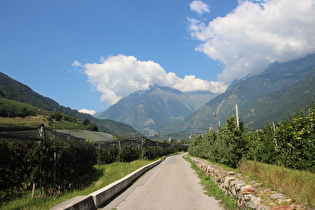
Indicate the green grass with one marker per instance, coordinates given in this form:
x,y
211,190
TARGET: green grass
x,y
106,174
299,185
212,188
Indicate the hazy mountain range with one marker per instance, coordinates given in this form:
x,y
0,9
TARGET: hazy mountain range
x,y
149,111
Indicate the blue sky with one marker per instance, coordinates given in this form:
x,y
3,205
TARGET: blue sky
x,y
88,54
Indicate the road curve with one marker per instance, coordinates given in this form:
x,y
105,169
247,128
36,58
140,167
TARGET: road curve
x,y
170,185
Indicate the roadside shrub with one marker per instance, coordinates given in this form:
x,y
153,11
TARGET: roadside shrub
x,y
227,146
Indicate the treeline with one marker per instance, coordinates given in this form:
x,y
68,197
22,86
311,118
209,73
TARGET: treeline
x,y
290,143
127,154
58,116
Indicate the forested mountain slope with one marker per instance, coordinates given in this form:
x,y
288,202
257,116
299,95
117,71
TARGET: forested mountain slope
x,y
16,91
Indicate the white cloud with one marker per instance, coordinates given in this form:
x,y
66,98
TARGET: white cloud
x,y
257,33
118,76
199,7
76,63
87,111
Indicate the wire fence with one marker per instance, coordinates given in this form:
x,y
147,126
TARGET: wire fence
x,y
134,142
57,162
19,133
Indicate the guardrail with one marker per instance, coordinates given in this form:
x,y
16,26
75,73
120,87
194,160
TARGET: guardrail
x,y
105,194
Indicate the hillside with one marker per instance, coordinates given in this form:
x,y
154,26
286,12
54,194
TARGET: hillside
x,y
277,105
268,96
14,92
150,110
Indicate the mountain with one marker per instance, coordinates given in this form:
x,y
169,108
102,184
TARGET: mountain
x,y
16,91
150,110
277,105
268,96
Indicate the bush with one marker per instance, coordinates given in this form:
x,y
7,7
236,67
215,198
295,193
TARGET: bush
x,y
227,146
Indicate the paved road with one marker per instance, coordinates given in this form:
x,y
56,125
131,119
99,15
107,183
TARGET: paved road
x,y
170,185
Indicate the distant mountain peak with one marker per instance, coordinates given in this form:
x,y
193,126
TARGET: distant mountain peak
x,y
150,110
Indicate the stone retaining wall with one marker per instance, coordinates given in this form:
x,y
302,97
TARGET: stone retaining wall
x,y
249,194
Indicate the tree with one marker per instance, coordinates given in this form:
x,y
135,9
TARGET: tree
x,y
86,122
92,127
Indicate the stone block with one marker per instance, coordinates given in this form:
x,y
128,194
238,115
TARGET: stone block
x,y
248,189
276,196
228,181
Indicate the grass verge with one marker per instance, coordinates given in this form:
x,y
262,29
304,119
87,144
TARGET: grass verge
x,y
106,174
211,188
299,185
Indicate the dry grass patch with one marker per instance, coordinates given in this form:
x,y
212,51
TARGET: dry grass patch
x,y
24,121
299,185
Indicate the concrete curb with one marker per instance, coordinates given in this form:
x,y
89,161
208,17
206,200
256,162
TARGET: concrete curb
x,y
103,195
76,203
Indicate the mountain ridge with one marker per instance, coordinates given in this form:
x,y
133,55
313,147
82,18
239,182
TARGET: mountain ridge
x,y
245,92
16,91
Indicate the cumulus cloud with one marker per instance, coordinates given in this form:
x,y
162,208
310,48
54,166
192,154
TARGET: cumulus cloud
x,y
257,33
87,111
199,7
118,76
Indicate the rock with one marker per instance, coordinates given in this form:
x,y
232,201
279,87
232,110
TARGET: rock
x,y
248,189
283,208
227,182
218,175
276,196
283,200
233,191
241,204
254,202
239,186
258,185
231,173
262,207
247,197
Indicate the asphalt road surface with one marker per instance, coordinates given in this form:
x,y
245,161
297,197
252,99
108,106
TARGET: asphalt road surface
x,y
170,185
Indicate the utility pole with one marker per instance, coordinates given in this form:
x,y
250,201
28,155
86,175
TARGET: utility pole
x,y
55,169
41,132
237,118
215,121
